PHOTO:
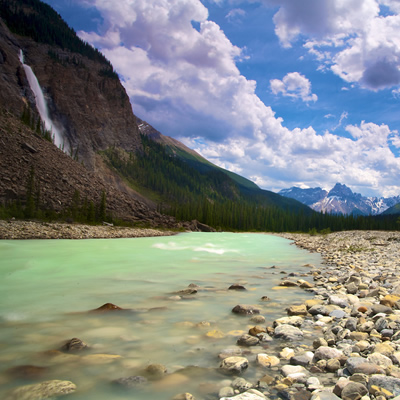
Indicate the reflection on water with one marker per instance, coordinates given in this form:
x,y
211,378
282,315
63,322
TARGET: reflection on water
x,y
48,287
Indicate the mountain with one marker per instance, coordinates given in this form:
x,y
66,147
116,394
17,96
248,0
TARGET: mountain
x,y
340,200
305,196
394,210
108,164
191,157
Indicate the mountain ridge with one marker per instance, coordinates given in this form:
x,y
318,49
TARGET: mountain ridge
x,y
340,200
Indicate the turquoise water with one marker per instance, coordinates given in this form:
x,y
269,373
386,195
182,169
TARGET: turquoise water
x,y
48,286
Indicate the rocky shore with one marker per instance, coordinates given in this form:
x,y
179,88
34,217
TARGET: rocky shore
x,y
14,229
353,322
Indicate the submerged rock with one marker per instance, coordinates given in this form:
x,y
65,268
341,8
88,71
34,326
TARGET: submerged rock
x,y
74,345
236,287
155,371
245,310
27,372
107,307
131,382
43,390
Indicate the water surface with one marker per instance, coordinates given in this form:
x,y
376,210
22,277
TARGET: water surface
x,y
47,288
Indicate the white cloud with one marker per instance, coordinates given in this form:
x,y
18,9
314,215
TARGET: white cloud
x,y
235,14
352,37
186,83
294,85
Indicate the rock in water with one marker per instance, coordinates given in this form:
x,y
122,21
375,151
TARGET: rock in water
x,y
234,364
107,308
43,390
74,345
245,310
131,382
236,286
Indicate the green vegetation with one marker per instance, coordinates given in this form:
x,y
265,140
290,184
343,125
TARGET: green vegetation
x,y
214,198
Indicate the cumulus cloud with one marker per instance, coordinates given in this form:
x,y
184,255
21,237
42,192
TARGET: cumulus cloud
x,y
293,85
352,37
186,83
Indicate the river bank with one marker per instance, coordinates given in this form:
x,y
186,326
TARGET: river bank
x,y
354,319
15,229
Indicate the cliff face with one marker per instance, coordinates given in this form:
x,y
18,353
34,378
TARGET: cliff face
x,y
92,110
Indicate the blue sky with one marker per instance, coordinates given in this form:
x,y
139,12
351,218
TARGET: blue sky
x,y
283,92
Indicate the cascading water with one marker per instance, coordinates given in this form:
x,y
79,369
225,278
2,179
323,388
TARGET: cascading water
x,y
42,105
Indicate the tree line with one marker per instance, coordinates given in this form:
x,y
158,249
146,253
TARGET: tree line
x,y
43,24
213,198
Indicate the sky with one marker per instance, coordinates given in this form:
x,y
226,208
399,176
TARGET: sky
x,y
284,92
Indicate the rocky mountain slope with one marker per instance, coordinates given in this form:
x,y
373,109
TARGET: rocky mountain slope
x,y
340,200
89,107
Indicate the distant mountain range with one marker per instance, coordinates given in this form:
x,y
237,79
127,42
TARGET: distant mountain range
x,y
341,200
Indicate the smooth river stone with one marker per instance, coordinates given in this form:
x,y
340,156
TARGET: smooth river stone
x,y
234,364
326,353
43,390
267,361
288,332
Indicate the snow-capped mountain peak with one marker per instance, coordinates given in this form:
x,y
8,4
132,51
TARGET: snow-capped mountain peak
x,y
340,200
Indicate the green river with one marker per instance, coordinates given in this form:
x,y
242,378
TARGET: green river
x,y
47,288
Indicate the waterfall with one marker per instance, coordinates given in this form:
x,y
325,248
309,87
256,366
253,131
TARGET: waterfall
x,y
42,105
